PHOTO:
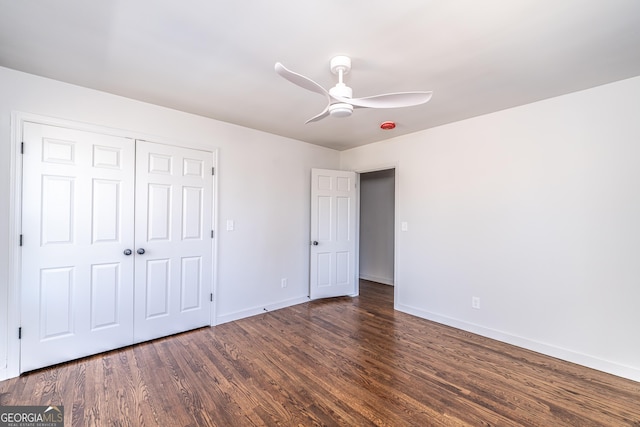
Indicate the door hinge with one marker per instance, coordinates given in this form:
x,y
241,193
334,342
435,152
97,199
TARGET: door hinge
x,y
22,148
21,240
213,234
20,333
213,171
211,297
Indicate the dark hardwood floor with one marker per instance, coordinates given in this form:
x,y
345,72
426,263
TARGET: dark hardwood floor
x,y
343,362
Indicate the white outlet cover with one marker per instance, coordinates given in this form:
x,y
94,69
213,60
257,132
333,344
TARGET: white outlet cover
x,y
230,225
404,226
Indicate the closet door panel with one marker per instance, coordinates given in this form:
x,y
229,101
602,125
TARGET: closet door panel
x,y
76,282
174,204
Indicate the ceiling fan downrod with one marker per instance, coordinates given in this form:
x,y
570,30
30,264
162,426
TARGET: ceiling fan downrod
x,y
341,65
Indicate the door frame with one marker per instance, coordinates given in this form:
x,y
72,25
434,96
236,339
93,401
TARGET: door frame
x,y
14,287
333,242
396,226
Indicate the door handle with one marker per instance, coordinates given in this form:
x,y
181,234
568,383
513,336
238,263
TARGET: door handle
x,y
128,252
140,251
314,243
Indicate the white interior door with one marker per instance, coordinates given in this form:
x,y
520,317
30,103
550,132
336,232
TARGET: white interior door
x,y
174,198
77,283
333,233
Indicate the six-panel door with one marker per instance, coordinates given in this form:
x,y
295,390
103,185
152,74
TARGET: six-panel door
x,y
333,233
77,284
173,228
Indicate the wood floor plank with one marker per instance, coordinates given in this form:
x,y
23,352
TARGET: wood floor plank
x,y
336,362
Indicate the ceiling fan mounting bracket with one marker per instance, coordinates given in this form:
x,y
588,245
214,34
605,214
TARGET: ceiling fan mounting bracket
x,y
340,64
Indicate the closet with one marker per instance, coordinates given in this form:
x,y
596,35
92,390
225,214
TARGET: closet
x,y
116,242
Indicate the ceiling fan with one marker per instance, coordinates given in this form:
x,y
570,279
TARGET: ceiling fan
x,y
339,98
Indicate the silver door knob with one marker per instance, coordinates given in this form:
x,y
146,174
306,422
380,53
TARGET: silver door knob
x,y
140,251
128,252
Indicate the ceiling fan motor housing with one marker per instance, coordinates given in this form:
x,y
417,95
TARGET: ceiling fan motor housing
x,y
341,90
341,109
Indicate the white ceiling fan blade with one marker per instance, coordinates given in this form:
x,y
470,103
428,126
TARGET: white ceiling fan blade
x,y
320,116
300,80
391,100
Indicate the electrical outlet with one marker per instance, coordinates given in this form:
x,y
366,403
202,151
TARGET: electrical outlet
x,y
475,303
283,282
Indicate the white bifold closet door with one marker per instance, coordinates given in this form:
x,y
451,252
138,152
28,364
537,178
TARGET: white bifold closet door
x,y
116,242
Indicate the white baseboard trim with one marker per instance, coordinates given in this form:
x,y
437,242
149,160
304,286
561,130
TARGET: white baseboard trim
x,y
5,375
609,367
259,310
383,280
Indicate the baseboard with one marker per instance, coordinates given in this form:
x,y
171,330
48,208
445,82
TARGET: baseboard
x,y
259,310
546,349
383,280
4,374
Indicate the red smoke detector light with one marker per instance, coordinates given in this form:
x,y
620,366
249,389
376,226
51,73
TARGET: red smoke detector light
x,y
387,125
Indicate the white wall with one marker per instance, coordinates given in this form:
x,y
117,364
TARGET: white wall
x,y
377,205
536,211
263,181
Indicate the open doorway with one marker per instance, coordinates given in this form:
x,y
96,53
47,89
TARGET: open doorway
x,y
377,226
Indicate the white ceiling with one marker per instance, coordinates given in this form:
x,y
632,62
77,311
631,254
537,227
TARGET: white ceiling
x,y
215,58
